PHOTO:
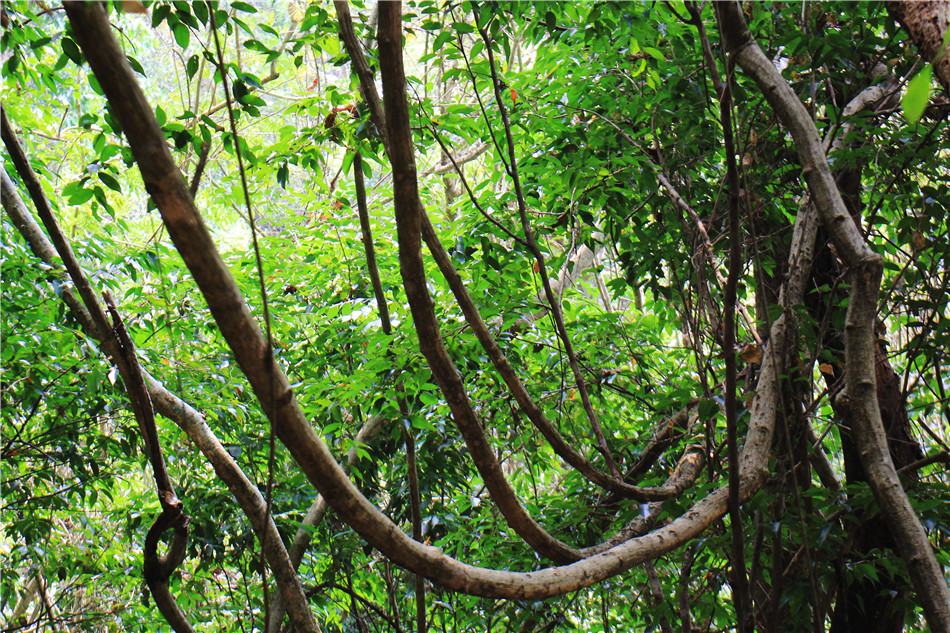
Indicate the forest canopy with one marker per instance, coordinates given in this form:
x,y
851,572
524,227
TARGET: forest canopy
x,y
475,316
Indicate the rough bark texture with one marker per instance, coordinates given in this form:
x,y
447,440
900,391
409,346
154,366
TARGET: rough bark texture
x,y
870,605
926,21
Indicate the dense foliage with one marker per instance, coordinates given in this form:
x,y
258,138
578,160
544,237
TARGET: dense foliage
x,y
618,144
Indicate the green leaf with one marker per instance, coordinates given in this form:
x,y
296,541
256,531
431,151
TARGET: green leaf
x,y
71,50
347,161
159,13
136,66
182,35
441,40
201,11
708,409
462,27
918,95
109,181
192,66
81,197
40,43
240,90
94,84
255,45
243,6
185,15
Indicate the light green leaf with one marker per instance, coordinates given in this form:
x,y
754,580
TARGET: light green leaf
x,y
918,95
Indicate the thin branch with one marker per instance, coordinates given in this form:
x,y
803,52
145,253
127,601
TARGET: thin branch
x,y
391,621
164,401
707,250
199,168
239,155
411,464
481,104
157,569
455,162
556,312
682,585
468,190
271,76
942,457
740,583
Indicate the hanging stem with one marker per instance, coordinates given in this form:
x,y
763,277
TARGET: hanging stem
x,y
556,312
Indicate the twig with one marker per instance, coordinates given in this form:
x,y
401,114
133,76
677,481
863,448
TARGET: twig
x,y
740,583
556,312
238,153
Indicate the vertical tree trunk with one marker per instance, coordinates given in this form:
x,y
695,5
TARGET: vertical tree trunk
x,y
863,604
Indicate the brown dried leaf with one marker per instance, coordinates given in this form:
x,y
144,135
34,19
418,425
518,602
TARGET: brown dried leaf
x,y
751,353
133,6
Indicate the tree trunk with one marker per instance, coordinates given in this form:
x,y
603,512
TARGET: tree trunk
x,y
863,604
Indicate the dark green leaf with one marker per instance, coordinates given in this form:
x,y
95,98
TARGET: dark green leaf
x,y
201,11
109,181
72,51
192,66
182,35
